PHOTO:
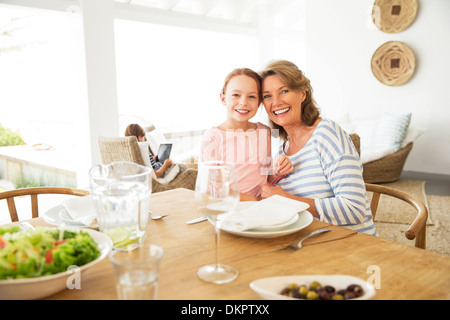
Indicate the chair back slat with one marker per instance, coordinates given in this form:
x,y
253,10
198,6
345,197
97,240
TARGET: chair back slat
x,y
12,209
34,206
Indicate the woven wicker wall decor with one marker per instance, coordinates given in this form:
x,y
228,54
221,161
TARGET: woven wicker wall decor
x,y
393,63
392,16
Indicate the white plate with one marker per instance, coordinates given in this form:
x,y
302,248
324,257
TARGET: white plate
x,y
270,288
277,226
41,287
58,215
304,219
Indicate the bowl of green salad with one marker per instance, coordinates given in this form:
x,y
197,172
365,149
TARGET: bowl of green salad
x,y
38,263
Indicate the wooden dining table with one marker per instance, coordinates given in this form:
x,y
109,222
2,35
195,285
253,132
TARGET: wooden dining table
x,y
396,270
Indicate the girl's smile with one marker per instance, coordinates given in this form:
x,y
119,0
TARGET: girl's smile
x,y
241,99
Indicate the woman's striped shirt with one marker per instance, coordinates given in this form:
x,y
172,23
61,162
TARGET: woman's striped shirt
x,y
329,170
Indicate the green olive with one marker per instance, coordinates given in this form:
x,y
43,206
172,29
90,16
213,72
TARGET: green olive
x,y
303,290
314,285
337,297
312,295
293,286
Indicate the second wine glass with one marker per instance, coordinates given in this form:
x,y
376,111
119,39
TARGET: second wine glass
x,y
216,195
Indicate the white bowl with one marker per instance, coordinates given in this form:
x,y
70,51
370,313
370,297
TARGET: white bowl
x,y
270,288
40,287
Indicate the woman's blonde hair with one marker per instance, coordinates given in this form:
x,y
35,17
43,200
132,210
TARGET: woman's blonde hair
x,y
295,80
246,72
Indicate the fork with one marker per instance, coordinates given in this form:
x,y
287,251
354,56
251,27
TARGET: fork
x,y
27,226
297,244
156,217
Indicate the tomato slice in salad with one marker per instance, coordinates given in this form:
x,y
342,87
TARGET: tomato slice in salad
x,y
49,255
2,243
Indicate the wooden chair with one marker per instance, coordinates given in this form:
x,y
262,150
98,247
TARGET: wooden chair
x,y
127,149
33,193
417,229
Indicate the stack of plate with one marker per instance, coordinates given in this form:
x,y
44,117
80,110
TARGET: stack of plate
x,y
59,215
294,224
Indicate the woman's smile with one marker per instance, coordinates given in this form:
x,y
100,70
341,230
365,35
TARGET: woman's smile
x,y
281,112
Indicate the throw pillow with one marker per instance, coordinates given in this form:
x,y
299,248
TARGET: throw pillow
x,y
391,131
170,174
155,138
412,134
375,153
365,128
143,146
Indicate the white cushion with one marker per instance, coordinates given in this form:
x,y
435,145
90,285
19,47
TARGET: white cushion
x,y
145,153
391,131
365,128
375,153
154,139
170,174
412,134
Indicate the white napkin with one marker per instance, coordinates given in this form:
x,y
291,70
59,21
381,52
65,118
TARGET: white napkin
x,y
81,209
268,212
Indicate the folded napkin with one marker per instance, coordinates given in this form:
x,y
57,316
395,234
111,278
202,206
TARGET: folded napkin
x,y
81,209
268,212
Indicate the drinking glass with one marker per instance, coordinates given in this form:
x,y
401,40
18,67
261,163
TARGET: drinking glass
x,y
216,196
137,272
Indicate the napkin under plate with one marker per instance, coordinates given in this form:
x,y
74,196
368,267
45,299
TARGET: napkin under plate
x,y
272,211
81,209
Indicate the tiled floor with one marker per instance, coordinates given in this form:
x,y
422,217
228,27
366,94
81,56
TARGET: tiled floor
x,y
438,185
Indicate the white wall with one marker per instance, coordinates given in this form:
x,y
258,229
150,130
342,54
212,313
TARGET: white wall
x,y
340,43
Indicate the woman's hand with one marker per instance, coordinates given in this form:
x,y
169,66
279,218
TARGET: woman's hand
x,y
268,191
283,166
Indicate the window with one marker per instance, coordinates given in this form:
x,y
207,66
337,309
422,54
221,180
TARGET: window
x,y
173,76
42,76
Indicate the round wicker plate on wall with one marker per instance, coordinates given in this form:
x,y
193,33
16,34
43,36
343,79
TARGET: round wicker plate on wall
x,y
393,63
392,16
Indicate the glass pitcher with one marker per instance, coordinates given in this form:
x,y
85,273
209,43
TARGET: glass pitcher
x,y
121,191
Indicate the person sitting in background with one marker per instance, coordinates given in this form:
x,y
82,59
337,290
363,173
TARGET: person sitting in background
x,y
159,168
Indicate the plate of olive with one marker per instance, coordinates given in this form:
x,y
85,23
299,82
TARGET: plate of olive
x,y
313,287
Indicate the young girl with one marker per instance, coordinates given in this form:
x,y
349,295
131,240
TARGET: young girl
x,y
239,141
137,131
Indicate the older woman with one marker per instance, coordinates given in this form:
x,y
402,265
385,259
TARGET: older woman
x,y
327,168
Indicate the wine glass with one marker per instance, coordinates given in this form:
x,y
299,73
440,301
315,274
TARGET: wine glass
x,y
216,195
